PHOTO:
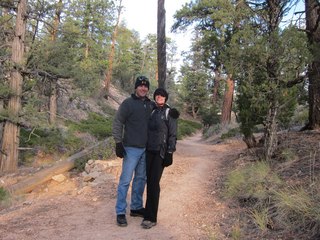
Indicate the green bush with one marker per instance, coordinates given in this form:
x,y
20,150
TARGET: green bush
x,y
210,116
5,199
97,125
300,117
186,128
49,139
231,133
3,194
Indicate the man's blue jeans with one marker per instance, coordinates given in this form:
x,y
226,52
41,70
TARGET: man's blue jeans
x,y
133,165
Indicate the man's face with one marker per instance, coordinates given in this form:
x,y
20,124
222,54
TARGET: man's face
x,y
142,91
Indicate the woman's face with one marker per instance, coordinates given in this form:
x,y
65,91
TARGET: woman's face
x,y
160,100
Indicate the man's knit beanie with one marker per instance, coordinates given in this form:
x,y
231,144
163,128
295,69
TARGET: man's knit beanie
x,y
142,80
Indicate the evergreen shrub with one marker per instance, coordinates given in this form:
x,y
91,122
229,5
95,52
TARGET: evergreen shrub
x,y
186,128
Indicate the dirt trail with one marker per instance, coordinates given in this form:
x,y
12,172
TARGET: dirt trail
x,y
190,207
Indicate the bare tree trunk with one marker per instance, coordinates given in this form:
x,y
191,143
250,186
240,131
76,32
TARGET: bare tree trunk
x,y
56,21
53,93
11,133
313,34
1,123
216,85
161,44
271,138
86,27
143,62
227,102
53,102
270,134
250,141
194,113
108,78
6,40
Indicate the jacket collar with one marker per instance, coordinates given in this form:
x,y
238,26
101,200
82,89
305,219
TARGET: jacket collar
x,y
137,98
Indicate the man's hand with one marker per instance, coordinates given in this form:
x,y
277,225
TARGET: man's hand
x,y
120,151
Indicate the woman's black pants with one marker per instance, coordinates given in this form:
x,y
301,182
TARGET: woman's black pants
x,y
154,173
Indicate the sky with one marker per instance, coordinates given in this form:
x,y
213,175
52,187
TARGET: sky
x,y
141,15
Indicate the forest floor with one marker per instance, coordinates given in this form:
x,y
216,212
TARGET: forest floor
x,y
191,203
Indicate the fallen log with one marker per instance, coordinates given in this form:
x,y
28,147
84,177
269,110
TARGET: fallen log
x,y
27,185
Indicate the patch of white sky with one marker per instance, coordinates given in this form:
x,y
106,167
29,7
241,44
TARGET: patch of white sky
x,y
141,16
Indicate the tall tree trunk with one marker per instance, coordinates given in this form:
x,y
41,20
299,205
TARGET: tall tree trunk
x,y
270,135
56,21
161,44
53,102
11,133
108,78
1,123
53,93
194,112
86,27
216,85
227,102
6,41
313,34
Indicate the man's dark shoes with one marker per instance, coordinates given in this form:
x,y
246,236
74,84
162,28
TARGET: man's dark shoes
x,y
121,220
137,213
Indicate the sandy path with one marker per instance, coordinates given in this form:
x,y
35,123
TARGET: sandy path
x,y
190,207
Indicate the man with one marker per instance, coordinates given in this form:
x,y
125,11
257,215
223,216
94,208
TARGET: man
x,y
130,134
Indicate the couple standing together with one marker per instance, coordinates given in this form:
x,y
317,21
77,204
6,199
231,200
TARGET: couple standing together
x,y
145,133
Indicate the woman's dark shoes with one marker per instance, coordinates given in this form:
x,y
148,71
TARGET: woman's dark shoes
x,y
146,224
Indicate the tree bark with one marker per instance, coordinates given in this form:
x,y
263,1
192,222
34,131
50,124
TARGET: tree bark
x,y
216,85
271,138
86,23
53,85
161,44
6,27
53,102
1,123
313,34
108,78
270,134
250,141
11,133
227,102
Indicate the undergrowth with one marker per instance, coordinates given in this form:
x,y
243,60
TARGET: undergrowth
x,y
281,198
187,127
97,125
4,197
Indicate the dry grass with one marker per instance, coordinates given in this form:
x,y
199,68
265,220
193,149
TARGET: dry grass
x,y
281,198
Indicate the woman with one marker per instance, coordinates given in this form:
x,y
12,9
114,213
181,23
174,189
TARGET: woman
x,y
162,138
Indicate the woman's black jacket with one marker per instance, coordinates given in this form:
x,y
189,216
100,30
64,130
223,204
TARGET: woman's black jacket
x,y
162,130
